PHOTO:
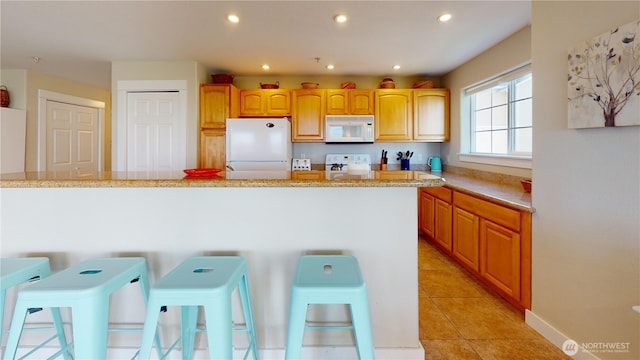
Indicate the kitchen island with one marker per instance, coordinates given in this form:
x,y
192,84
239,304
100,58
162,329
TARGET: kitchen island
x,y
270,218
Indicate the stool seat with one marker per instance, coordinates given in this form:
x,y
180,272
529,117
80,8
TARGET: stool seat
x,y
16,271
85,288
206,281
328,279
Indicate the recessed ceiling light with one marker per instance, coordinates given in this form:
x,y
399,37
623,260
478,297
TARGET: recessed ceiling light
x,y
265,67
233,18
340,18
330,67
444,17
396,67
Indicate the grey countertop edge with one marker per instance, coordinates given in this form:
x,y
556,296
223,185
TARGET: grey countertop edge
x,y
202,183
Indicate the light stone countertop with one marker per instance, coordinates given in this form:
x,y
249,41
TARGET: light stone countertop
x,y
221,179
495,190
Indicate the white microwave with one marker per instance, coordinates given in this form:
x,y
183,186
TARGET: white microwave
x,y
349,129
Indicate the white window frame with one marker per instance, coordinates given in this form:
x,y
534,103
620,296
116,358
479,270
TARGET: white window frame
x,y
465,154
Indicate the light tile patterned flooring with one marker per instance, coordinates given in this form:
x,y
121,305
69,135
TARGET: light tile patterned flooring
x,y
461,319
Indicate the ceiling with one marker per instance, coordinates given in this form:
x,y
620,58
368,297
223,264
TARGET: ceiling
x,y
79,40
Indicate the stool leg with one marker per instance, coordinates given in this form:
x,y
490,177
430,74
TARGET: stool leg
x,y
150,330
90,328
19,316
362,329
297,319
57,324
189,323
145,288
248,315
4,293
218,319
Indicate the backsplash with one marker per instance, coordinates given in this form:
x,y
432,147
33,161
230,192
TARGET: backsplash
x,y
317,152
509,180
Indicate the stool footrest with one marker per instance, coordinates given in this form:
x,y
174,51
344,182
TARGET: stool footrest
x,y
329,327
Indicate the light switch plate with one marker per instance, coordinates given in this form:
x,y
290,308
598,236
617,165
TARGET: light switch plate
x,y
301,165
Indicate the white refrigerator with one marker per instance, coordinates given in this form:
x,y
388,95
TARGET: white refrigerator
x,y
258,144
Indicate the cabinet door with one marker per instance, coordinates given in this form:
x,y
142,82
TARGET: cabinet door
x,y
308,115
393,175
500,257
277,102
251,103
308,175
443,220
393,120
212,149
427,213
466,237
217,103
361,102
431,114
337,102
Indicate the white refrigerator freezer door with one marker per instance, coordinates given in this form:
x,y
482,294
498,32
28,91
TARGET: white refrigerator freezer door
x,y
259,141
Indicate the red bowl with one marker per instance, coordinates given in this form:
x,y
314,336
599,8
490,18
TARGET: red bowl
x,y
526,184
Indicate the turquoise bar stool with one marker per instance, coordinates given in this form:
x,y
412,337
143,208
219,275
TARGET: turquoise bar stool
x,y
16,271
206,281
85,288
328,279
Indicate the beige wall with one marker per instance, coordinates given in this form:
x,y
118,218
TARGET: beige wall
x,y
327,81
24,86
513,51
586,230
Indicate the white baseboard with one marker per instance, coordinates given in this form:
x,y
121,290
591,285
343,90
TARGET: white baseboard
x,y
554,336
334,353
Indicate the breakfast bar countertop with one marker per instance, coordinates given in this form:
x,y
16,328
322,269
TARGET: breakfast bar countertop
x,y
221,179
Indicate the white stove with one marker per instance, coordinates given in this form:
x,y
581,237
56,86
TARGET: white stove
x,y
341,162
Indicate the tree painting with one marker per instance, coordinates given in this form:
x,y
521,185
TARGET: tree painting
x,y
604,79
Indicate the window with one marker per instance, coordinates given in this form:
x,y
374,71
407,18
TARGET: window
x,y
498,113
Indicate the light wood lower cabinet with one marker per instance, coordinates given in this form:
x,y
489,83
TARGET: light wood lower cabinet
x,y
435,215
308,175
212,145
491,240
465,237
500,257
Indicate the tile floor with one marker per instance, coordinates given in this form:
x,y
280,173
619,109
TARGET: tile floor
x,y
461,319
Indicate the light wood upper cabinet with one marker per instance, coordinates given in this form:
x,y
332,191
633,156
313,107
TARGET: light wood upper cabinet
x,y
350,102
394,115
258,102
217,103
431,114
307,121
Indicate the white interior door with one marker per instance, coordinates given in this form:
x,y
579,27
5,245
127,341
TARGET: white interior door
x,y
72,134
155,134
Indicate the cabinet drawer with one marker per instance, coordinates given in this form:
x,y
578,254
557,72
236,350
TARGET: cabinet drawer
x,y
441,192
499,214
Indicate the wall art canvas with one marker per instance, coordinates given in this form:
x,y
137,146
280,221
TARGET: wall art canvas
x,y
604,79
